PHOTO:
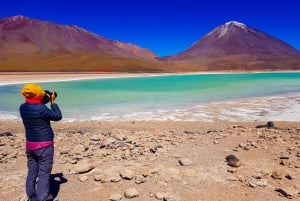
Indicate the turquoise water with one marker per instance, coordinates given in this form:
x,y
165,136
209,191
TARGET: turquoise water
x,y
125,98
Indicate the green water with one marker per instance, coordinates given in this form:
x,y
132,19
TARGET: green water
x,y
120,98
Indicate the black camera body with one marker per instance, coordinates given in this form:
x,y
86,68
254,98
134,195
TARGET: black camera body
x,y
47,96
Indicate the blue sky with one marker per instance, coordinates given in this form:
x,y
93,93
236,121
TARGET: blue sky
x,y
164,26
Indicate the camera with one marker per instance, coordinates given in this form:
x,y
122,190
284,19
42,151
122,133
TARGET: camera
x,y
47,96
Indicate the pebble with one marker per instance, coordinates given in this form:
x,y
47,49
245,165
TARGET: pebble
x,y
185,162
131,193
115,197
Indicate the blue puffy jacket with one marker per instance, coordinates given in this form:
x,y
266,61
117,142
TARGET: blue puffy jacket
x,y
36,119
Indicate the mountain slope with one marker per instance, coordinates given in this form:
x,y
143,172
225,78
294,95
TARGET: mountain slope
x,y
30,44
44,37
236,46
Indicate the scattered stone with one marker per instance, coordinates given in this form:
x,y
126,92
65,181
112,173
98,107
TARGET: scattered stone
x,y
115,197
114,177
270,124
289,192
160,195
171,197
131,193
290,177
100,177
232,170
277,174
83,167
65,150
233,161
83,178
140,179
6,134
253,182
95,138
185,162
141,152
285,162
126,174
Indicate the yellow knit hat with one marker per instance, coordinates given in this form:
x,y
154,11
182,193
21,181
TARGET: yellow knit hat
x,y
32,90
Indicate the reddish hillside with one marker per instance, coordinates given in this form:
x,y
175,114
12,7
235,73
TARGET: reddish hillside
x,y
28,44
234,46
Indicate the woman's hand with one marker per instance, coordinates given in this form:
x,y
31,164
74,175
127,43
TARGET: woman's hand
x,y
52,97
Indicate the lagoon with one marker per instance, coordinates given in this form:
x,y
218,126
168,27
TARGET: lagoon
x,y
189,97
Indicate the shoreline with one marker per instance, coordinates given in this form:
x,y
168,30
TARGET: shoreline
x,y
10,78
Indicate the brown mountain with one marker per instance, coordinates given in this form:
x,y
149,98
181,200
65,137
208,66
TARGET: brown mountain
x,y
29,44
235,46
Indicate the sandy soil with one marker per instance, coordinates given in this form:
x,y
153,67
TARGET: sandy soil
x,y
163,160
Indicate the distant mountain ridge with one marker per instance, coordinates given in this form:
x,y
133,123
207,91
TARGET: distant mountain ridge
x,y
234,38
235,46
43,36
28,44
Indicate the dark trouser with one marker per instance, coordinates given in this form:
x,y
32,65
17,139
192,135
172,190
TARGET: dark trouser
x,y
39,163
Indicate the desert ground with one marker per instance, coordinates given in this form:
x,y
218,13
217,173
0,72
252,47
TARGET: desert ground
x,y
165,160
160,160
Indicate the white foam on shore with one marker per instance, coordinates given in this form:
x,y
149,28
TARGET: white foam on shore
x,y
286,108
274,108
8,116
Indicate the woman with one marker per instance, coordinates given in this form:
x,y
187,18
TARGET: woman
x,y
36,117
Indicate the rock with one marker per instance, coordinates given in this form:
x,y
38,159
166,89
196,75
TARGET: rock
x,y
289,192
270,124
6,134
185,162
95,138
83,167
257,182
109,143
170,197
65,150
290,177
115,197
277,174
160,195
100,177
285,162
140,179
83,178
127,174
131,193
233,161
113,176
